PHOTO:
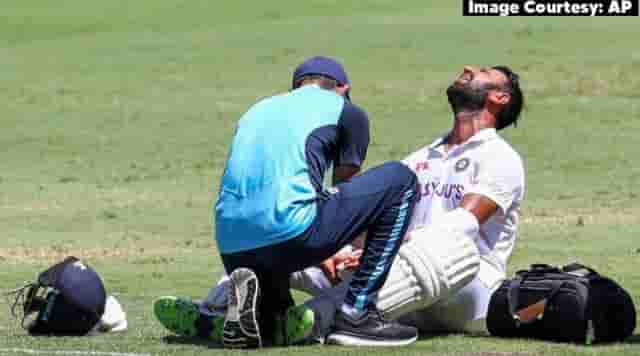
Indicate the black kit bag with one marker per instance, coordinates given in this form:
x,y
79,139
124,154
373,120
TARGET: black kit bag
x,y
573,303
67,299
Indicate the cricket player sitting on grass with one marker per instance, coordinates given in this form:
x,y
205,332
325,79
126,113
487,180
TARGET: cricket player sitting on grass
x,y
273,218
464,226
465,223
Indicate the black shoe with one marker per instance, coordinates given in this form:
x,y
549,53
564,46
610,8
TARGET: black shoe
x,y
241,328
372,329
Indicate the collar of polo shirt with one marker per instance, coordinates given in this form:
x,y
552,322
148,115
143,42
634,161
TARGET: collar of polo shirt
x,y
480,136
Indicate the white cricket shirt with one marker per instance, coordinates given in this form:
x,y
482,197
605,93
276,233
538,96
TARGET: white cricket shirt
x,y
485,164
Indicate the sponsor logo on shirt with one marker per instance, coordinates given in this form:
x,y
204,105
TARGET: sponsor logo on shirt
x,y
446,191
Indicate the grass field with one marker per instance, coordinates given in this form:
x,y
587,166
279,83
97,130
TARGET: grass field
x,y
115,118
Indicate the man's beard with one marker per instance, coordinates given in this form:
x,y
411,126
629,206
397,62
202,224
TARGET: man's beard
x,y
467,97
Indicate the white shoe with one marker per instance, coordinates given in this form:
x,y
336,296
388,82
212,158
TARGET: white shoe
x,y
241,328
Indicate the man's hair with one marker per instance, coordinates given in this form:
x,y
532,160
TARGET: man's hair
x,y
511,112
323,81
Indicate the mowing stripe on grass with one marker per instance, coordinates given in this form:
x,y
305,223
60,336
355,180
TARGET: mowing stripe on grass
x,y
69,352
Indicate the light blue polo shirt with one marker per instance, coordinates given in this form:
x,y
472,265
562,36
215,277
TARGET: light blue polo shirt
x,y
266,194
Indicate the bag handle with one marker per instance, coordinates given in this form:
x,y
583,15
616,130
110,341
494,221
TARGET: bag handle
x,y
513,296
538,268
573,267
543,268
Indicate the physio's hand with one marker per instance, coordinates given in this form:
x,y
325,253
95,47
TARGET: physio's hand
x,y
328,266
348,260
340,262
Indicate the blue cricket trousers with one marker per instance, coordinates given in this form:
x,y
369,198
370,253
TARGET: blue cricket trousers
x,y
379,201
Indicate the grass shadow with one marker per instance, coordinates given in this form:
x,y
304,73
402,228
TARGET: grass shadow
x,y
423,335
633,339
185,340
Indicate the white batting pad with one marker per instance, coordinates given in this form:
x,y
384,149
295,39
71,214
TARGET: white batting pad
x,y
437,262
426,270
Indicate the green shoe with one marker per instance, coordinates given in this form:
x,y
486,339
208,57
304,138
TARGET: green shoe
x,y
296,327
182,316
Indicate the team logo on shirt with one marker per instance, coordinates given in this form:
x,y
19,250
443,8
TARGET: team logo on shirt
x,y
462,164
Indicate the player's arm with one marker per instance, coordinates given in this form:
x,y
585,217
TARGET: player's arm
x,y
353,142
480,206
496,184
474,210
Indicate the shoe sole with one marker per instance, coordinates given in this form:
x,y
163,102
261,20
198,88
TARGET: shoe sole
x,y
355,340
241,329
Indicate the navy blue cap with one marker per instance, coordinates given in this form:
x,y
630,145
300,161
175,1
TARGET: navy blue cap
x,y
321,65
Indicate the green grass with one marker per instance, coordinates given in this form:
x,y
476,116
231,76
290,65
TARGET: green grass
x,y
116,116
